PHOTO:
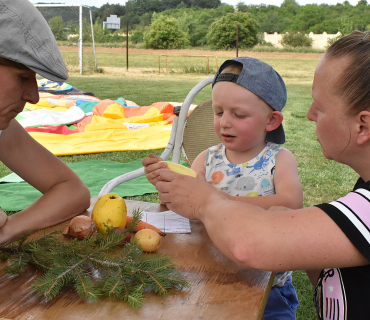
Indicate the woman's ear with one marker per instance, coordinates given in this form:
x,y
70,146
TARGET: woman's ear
x,y
363,127
276,118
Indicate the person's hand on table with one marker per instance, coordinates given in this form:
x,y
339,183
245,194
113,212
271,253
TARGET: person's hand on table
x,y
3,218
153,168
183,194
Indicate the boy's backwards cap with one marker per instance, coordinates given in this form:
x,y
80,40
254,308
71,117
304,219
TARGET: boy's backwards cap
x,y
26,38
261,79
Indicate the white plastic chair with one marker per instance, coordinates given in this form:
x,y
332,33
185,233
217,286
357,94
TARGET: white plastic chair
x,y
175,143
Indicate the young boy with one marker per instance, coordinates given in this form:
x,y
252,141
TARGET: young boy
x,y
248,96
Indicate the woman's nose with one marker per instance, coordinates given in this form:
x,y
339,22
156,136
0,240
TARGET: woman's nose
x,y
311,115
31,91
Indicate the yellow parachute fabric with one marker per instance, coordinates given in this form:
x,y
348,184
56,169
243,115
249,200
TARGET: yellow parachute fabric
x,y
108,140
114,111
43,103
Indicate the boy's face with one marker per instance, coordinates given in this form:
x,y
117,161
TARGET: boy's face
x,y
240,118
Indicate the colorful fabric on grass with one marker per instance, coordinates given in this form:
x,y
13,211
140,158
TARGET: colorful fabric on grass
x,y
95,125
108,140
46,85
18,195
95,174
51,129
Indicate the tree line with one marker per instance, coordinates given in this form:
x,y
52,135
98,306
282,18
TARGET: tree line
x,y
290,16
178,23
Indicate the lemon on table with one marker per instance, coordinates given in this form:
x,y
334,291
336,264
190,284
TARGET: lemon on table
x,y
179,168
110,209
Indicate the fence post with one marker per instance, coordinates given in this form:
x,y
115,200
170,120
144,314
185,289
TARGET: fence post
x,y
81,48
237,40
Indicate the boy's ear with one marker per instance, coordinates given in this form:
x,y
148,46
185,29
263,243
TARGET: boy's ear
x,y
276,118
363,127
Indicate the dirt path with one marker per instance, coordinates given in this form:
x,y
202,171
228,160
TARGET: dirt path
x,y
194,52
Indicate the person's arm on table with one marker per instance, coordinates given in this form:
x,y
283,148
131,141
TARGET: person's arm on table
x,y
64,194
256,238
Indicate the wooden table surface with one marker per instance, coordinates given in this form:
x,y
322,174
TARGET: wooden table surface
x,y
220,289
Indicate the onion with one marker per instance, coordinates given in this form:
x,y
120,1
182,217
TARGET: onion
x,y
79,227
128,235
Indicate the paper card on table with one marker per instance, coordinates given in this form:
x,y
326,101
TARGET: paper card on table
x,y
167,221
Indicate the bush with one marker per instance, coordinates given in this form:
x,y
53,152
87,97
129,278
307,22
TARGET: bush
x,y
137,37
222,33
57,27
165,33
296,39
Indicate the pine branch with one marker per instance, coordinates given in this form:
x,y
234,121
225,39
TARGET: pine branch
x,y
95,266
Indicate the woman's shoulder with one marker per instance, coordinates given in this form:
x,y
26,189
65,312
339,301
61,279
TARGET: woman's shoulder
x,y
352,214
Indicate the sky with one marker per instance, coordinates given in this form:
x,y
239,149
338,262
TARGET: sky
x,y
99,3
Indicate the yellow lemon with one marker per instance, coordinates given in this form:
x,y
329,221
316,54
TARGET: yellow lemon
x,y
110,209
179,168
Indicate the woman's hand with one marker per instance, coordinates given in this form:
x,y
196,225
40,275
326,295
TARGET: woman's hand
x,y
153,168
183,194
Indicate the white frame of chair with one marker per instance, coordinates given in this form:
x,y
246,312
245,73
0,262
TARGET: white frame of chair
x,y
174,144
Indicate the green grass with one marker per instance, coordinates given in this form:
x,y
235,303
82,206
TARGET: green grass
x,y
143,91
322,180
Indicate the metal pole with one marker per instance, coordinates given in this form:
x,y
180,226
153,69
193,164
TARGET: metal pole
x,y
127,15
127,46
80,42
93,41
237,40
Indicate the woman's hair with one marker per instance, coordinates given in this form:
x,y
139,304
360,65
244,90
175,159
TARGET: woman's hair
x,y
10,63
354,82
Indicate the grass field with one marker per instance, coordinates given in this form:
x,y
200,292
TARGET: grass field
x,y
322,180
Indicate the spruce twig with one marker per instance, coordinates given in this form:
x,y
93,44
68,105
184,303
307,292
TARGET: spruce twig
x,y
96,266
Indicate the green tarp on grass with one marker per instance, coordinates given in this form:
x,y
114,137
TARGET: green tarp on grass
x,y
95,174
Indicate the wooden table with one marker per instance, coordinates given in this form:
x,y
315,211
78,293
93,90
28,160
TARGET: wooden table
x,y
220,289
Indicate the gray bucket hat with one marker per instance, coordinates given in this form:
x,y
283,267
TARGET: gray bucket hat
x,y
261,79
26,38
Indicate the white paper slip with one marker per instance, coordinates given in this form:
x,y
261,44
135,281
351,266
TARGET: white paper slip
x,y
167,221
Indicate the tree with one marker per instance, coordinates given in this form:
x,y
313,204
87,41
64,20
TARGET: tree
x,y
57,27
307,17
222,33
296,39
165,33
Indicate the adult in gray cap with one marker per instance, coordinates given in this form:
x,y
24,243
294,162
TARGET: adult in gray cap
x,y
330,240
27,47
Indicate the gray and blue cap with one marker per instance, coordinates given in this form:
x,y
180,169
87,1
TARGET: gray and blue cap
x,y
26,38
261,79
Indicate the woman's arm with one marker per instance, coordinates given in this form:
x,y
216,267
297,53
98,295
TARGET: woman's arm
x,y
255,238
64,194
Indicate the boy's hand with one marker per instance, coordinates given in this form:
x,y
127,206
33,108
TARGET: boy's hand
x,y
153,168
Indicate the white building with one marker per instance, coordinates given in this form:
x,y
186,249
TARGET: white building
x,y
113,22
